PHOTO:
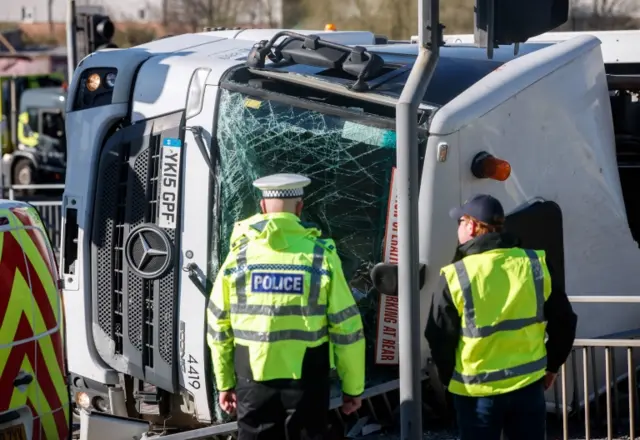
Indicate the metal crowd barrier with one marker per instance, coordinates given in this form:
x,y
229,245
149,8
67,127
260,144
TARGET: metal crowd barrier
x,y
50,209
589,387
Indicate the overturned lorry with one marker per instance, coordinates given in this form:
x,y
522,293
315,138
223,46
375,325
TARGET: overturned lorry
x,y
164,150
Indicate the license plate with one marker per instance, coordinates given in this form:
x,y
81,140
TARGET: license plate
x,y
169,180
16,432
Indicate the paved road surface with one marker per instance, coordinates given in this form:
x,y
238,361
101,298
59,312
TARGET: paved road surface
x,y
554,432
444,435
453,436
440,435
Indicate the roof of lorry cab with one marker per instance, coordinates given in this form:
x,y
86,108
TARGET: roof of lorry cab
x,y
169,60
468,51
458,68
44,97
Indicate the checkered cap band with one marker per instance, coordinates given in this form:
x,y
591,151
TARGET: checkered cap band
x,y
282,193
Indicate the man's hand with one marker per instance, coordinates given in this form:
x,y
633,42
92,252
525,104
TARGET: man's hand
x,y
350,404
549,379
228,401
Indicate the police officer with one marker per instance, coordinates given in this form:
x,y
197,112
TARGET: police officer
x,y
486,329
280,310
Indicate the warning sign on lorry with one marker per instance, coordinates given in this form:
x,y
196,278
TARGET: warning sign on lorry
x,y
387,336
390,249
387,331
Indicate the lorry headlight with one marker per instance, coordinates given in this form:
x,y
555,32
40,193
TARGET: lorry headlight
x,y
100,404
95,88
110,79
83,400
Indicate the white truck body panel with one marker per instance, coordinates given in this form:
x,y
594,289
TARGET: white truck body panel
x,y
617,46
161,86
506,82
558,128
549,115
89,128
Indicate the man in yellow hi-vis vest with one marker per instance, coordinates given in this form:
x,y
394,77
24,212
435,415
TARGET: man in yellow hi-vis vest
x,y
26,135
279,309
486,329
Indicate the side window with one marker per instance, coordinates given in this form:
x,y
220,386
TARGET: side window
x,y
34,119
5,95
539,226
52,123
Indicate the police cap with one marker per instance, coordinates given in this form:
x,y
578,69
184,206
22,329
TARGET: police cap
x,y
282,186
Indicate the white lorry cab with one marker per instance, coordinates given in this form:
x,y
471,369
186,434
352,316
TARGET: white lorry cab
x,y
164,140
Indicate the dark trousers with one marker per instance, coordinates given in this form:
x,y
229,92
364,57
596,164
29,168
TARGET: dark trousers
x,y
521,414
282,409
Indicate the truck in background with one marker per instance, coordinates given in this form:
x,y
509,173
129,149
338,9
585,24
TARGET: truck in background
x,y
557,112
33,129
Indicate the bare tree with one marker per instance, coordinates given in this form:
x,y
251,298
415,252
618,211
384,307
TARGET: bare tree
x,y
604,8
397,19
261,13
193,15
602,15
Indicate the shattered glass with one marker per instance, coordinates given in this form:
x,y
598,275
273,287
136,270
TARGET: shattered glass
x,y
349,159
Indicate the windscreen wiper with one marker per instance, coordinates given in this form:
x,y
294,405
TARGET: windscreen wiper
x,y
199,138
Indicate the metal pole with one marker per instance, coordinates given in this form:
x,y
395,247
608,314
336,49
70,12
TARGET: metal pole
x,y
3,130
13,123
72,51
408,184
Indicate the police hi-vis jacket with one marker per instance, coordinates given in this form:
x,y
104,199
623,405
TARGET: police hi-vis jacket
x,y
280,291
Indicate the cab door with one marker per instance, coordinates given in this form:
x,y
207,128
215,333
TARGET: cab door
x,y
19,395
52,406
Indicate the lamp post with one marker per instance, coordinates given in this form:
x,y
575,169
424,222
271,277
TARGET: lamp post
x,y
72,52
407,158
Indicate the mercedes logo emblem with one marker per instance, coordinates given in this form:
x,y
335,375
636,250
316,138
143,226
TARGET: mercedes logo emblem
x,y
148,251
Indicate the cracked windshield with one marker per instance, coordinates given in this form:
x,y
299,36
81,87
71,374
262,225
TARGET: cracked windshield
x,y
349,161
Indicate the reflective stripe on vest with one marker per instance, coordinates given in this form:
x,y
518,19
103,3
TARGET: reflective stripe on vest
x,y
477,338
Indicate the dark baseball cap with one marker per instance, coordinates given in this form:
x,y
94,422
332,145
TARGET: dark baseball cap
x,y
482,207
